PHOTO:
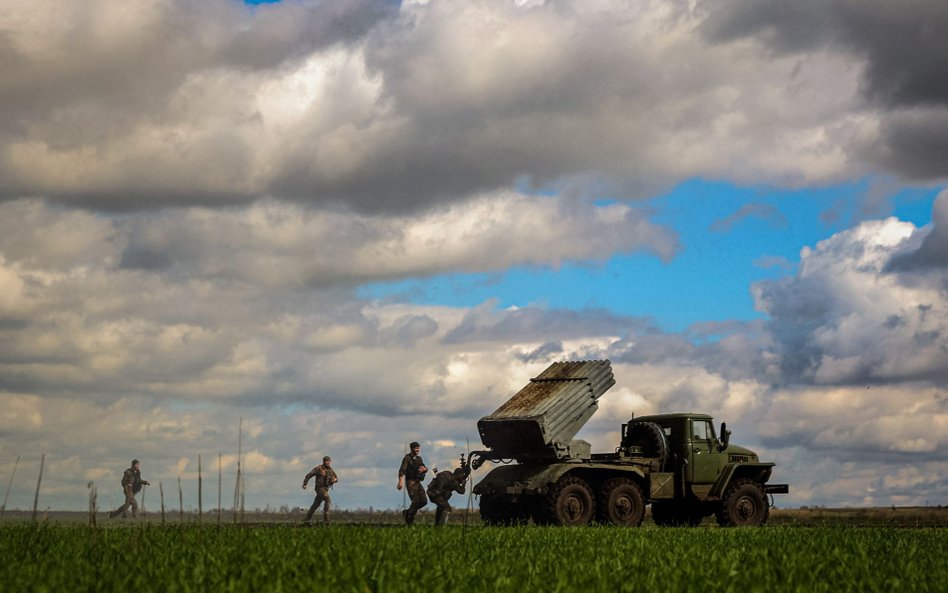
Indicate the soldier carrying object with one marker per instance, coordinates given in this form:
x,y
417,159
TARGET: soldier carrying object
x,y
412,471
442,486
132,483
323,479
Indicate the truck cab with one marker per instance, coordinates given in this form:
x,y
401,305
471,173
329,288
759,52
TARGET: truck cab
x,y
694,444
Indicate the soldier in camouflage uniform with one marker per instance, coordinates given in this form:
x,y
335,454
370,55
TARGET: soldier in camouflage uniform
x,y
441,488
323,479
132,483
412,471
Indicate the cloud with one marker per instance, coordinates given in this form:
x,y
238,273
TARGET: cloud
x,y
764,212
931,251
279,244
901,44
378,109
486,323
843,320
158,99
274,242
256,305
903,54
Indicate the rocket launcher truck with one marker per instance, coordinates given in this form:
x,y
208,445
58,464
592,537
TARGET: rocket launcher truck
x,y
676,463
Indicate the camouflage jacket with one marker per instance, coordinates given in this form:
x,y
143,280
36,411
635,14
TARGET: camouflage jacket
x,y
324,477
132,477
444,484
410,467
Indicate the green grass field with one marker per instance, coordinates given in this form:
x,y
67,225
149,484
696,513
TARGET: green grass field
x,y
189,557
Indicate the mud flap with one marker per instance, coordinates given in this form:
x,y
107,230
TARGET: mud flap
x,y
661,485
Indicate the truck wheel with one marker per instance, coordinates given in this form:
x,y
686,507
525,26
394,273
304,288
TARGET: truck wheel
x,y
571,502
621,503
650,437
744,505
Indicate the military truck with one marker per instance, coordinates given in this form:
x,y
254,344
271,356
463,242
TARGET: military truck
x,y
676,463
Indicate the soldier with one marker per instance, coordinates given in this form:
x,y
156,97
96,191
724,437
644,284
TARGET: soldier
x,y
132,483
413,472
440,489
324,477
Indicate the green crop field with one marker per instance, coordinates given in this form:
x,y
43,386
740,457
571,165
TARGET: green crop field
x,y
189,557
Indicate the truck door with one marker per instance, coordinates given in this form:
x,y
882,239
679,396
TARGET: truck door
x,y
706,462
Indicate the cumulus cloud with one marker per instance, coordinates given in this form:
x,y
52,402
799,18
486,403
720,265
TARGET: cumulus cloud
x,y
910,420
855,367
381,108
277,244
257,304
931,252
107,105
902,52
842,319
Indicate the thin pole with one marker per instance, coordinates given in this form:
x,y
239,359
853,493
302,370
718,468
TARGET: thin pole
x,y
4,507
38,482
470,499
92,503
240,435
161,491
470,492
180,500
200,492
218,488
243,490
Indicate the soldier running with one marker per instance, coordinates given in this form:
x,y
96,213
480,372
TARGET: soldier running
x,y
324,477
413,472
440,489
132,483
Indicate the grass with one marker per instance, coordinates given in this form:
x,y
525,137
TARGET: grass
x,y
149,557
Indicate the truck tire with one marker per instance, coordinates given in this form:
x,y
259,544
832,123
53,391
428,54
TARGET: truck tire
x,y
744,505
621,503
650,437
570,502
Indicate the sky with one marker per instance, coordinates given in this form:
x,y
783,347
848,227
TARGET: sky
x,y
347,225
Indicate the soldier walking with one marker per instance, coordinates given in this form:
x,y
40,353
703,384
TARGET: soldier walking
x,y
442,486
324,476
412,471
132,483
